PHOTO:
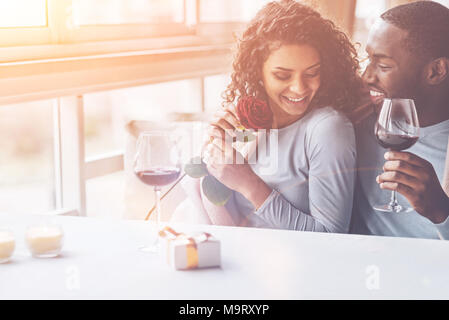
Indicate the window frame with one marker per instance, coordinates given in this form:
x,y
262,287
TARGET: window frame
x,y
26,36
60,29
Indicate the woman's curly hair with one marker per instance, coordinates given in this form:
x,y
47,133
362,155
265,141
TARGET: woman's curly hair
x,y
289,22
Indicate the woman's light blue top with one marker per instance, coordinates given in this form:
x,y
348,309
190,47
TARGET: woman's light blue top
x,y
311,173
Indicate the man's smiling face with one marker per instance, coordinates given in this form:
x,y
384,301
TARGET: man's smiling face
x,y
393,71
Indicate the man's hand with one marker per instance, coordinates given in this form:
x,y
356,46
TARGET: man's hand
x,y
415,179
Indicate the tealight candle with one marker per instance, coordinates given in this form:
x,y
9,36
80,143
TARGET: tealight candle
x,y
7,245
44,241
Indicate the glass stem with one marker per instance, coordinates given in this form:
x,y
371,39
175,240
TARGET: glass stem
x,y
154,248
157,193
393,202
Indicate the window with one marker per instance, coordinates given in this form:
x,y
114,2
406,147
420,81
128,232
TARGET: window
x,y
121,25
31,22
98,12
107,113
366,13
214,86
24,22
27,171
230,10
105,117
158,66
23,13
125,19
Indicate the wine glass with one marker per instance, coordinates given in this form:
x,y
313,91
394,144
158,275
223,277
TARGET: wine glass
x,y
157,163
397,128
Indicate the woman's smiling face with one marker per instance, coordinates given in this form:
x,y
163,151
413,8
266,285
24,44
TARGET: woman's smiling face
x,y
291,78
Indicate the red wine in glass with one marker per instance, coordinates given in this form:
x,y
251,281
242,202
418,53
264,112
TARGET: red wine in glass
x,y
397,128
159,177
395,142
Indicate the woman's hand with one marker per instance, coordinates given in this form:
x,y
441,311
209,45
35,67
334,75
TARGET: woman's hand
x,y
218,152
226,164
225,122
221,159
226,119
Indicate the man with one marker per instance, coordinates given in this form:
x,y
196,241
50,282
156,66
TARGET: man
x,y
408,48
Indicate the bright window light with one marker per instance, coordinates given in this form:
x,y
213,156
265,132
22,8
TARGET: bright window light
x,y
23,13
105,12
27,171
107,113
229,10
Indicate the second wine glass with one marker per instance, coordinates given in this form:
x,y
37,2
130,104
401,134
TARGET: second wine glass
x,y
397,128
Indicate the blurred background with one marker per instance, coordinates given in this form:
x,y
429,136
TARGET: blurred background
x,y
76,73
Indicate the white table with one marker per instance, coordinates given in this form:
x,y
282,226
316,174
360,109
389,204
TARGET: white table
x,y
100,260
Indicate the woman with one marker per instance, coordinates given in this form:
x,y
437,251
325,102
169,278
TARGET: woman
x,y
306,71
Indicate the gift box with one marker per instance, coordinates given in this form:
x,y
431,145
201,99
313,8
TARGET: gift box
x,y
183,252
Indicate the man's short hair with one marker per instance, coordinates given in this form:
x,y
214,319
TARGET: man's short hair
x,y
427,23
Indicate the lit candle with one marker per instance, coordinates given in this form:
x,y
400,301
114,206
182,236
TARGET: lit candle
x,y
45,241
7,245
